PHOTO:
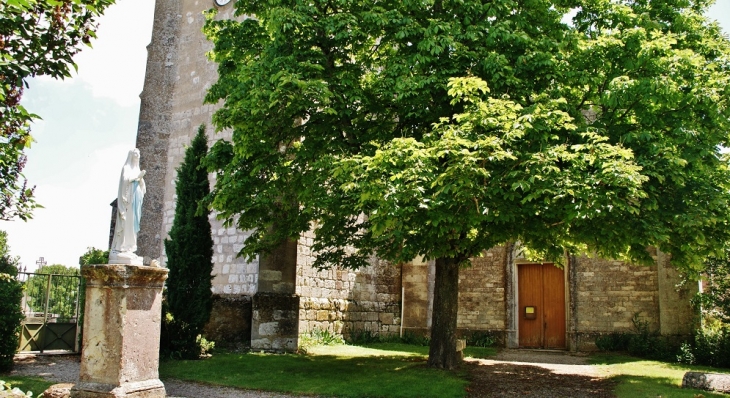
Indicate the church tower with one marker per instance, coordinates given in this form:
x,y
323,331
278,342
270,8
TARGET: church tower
x,y
177,79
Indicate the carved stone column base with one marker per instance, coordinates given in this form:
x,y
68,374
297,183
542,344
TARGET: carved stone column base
x,y
138,389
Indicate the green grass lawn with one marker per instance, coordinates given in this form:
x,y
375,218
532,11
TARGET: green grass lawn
x,y
389,370
34,384
399,370
644,378
378,370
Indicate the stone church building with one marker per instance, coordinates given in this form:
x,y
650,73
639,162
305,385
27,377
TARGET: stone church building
x,y
266,304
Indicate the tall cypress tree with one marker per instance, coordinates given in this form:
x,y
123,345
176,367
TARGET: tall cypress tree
x,y
189,253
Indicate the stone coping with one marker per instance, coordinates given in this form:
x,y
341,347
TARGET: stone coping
x,y
124,275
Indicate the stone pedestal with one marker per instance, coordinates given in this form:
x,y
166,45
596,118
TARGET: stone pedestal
x,y
120,349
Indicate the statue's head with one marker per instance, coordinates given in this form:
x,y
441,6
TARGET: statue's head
x,y
133,157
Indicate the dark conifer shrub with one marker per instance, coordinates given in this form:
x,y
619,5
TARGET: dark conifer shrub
x,y
188,297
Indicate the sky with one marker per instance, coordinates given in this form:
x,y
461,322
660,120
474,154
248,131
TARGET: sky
x,y
89,124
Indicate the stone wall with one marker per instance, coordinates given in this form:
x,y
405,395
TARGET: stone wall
x,y
178,76
418,284
195,74
230,321
232,274
605,296
482,297
346,301
482,304
274,321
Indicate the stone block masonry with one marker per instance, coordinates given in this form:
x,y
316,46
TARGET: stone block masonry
x,y
417,295
155,122
607,294
275,307
482,304
346,301
177,79
275,326
230,321
232,275
676,318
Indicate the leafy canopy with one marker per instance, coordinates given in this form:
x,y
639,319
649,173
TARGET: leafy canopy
x,y
37,37
444,127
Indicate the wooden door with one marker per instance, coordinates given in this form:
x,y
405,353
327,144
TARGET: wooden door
x,y
541,304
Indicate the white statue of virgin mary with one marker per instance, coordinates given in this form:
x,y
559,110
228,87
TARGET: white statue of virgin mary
x,y
129,211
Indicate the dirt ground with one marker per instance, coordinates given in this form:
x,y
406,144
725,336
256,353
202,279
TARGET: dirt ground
x,y
531,373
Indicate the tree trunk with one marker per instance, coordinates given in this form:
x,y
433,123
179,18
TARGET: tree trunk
x,y
442,351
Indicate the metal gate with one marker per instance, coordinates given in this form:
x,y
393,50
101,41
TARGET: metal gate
x,y
51,307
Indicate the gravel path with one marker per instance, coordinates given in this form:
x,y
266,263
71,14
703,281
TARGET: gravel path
x,y
511,373
65,369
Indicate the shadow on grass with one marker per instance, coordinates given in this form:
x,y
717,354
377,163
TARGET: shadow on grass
x,y
638,377
351,374
642,386
611,359
615,359
400,348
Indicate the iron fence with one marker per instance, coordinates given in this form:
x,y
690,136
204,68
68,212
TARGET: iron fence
x,y
51,303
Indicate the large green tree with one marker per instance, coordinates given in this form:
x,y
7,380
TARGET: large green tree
x,y
37,37
188,296
442,128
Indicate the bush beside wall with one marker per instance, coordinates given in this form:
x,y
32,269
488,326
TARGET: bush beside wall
x,y
11,314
